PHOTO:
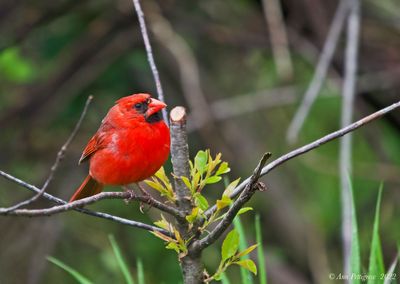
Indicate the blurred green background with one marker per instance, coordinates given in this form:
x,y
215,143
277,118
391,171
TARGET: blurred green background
x,y
215,58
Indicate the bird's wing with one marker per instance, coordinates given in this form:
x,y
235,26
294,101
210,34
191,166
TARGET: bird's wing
x,y
97,142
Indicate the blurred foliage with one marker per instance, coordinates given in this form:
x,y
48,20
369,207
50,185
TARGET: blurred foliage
x,y
54,54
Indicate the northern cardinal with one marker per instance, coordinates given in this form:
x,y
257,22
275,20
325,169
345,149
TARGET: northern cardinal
x,y
131,144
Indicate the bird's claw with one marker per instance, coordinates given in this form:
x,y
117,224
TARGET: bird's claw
x,y
131,197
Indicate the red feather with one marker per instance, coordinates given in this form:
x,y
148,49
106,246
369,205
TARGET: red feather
x,y
131,144
88,188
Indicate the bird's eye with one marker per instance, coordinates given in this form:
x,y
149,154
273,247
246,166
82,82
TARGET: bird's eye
x,y
138,106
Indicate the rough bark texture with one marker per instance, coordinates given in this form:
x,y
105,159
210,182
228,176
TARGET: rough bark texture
x,y
192,267
180,156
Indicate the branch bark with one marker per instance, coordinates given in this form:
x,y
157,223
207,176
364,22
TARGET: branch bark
x,y
180,157
192,267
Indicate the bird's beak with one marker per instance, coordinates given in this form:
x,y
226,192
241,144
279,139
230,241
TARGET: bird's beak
x,y
153,107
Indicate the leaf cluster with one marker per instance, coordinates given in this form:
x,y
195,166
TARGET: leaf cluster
x,y
204,170
230,255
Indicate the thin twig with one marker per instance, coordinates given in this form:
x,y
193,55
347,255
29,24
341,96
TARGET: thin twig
x,y
311,146
82,210
187,64
251,187
89,200
150,56
60,156
345,168
66,207
320,71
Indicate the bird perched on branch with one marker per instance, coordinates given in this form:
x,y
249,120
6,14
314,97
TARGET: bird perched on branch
x,y
131,144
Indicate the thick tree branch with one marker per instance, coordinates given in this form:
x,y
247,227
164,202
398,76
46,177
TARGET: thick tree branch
x,y
60,156
180,157
251,187
191,264
311,146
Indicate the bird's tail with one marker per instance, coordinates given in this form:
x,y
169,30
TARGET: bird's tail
x,y
88,188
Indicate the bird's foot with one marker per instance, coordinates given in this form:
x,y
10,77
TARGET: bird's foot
x,y
149,199
132,194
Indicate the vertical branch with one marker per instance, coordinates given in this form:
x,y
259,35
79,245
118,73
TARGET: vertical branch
x,y
279,41
150,56
180,156
353,28
192,267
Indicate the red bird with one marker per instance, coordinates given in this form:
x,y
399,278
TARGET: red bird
x,y
131,144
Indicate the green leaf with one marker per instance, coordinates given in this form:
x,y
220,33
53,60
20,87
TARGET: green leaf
x,y
241,211
223,169
230,245
195,181
200,161
355,262
78,277
201,202
120,260
193,216
140,271
213,163
229,189
173,246
260,252
244,210
163,223
246,251
213,179
186,182
223,202
376,266
161,175
155,185
162,236
247,264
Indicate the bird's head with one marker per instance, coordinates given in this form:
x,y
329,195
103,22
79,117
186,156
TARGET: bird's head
x,y
141,106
